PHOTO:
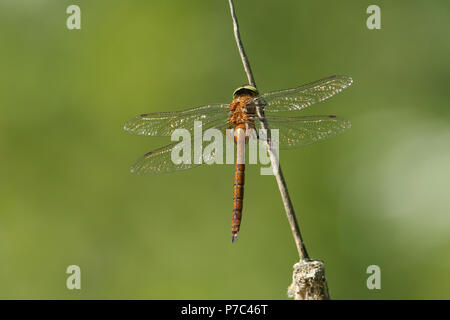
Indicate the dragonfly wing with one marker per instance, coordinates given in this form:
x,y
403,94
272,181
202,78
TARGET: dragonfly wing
x,y
167,159
164,123
296,132
303,96
158,161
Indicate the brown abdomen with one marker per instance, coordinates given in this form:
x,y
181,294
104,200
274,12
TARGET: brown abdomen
x,y
238,199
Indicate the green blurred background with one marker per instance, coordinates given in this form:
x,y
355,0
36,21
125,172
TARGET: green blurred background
x,y
378,194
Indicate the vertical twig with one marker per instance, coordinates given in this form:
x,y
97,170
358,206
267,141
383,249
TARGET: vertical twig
x,y
240,46
273,157
308,279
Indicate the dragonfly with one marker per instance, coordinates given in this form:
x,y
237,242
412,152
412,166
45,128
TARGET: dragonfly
x,y
248,110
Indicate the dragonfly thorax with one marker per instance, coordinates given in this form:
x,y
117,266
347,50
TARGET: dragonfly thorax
x,y
242,106
241,110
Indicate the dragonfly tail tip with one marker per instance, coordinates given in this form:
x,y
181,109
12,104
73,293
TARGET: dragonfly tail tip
x,y
234,236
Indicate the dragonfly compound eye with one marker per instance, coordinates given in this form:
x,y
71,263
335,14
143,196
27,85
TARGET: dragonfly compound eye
x,y
247,89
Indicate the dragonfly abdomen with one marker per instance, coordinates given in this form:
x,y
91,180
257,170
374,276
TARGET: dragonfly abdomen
x,y
239,179
238,200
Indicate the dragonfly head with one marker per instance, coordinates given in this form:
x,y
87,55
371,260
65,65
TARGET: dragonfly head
x,y
247,90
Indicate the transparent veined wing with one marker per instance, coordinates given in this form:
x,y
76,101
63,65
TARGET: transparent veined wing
x,y
303,96
161,161
300,131
164,123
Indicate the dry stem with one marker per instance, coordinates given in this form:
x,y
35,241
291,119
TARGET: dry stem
x,y
309,275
